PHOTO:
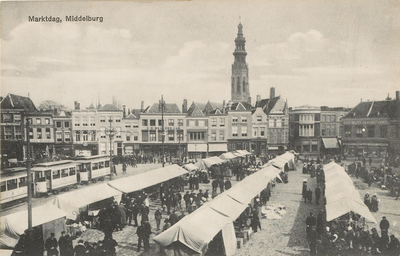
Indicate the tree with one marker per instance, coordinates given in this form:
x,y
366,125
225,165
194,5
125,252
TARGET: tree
x,y
52,105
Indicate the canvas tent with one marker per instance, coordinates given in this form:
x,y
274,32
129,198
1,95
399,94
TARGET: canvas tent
x,y
341,195
243,152
147,179
227,156
190,167
49,217
191,235
70,202
206,163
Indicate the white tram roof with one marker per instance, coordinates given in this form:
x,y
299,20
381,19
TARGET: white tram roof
x,y
88,158
53,164
13,172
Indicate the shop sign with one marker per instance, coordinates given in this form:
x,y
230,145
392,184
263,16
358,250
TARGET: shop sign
x,y
365,122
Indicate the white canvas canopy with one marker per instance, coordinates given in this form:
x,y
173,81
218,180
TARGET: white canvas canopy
x,y
341,195
206,163
13,225
198,229
70,202
243,152
147,179
227,156
190,167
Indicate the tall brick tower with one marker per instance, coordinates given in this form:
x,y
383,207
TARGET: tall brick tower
x,y
240,73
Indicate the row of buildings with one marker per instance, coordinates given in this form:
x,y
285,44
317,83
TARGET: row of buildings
x,y
267,126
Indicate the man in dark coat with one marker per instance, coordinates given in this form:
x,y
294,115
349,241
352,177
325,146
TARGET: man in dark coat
x,y
51,245
304,190
317,194
80,249
228,184
310,223
384,226
186,198
143,236
214,185
63,244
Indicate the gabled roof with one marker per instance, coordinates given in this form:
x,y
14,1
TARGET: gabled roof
x,y
91,106
216,112
12,101
210,106
131,116
110,107
194,111
276,104
136,112
374,109
238,106
170,108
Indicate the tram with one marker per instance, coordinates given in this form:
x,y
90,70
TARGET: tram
x,y
13,184
55,176
93,168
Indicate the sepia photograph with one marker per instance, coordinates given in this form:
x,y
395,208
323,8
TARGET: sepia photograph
x,y
196,127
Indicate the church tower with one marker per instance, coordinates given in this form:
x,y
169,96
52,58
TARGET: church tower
x,y
240,73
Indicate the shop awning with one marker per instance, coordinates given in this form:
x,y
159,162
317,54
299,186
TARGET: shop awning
x,y
147,179
330,142
217,147
200,147
70,202
13,225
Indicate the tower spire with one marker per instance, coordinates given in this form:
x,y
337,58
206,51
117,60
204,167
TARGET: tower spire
x,y
240,72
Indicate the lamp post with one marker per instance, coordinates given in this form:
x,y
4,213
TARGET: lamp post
x,y
110,132
161,106
29,180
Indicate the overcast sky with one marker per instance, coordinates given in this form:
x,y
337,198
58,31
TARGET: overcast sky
x,y
330,53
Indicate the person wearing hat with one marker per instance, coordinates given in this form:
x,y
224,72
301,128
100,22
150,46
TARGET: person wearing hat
x,y
63,244
384,226
51,245
80,249
304,191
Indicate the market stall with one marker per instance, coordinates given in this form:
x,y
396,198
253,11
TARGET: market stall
x,y
46,219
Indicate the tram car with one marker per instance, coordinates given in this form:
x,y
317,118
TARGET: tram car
x,y
13,184
93,168
55,176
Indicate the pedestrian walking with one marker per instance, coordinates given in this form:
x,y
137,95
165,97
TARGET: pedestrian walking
x,y
63,244
384,226
51,245
158,217
317,194
304,190
311,221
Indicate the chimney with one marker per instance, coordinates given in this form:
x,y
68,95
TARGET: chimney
x,y
124,109
77,105
398,97
272,93
258,99
142,106
184,106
